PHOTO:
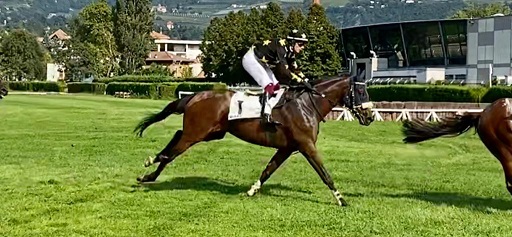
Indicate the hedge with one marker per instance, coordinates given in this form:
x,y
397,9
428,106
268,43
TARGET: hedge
x,y
136,78
497,92
150,79
160,91
168,90
36,86
79,87
431,93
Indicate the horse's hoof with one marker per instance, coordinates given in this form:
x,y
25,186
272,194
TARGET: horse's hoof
x,y
144,179
254,189
342,202
149,161
251,193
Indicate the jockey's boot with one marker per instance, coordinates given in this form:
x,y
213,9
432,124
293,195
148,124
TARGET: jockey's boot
x,y
266,111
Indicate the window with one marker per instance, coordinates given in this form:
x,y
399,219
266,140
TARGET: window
x,y
387,43
356,40
455,41
423,44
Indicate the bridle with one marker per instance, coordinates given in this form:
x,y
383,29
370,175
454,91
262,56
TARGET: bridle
x,y
353,108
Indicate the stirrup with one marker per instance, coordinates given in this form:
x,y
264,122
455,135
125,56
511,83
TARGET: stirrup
x,y
267,119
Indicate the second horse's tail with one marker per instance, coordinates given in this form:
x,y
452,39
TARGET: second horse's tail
x,y
418,131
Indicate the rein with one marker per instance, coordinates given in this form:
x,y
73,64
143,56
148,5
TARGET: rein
x,y
331,103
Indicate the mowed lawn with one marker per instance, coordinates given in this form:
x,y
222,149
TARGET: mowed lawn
x,y
69,166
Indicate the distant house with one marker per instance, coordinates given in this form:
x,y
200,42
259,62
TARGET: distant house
x,y
55,72
176,55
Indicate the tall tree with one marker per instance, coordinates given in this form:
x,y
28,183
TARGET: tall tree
x,y
272,21
224,44
133,23
22,57
482,10
92,42
320,56
295,19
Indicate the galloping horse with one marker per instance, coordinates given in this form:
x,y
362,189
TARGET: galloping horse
x,y
3,89
493,125
299,112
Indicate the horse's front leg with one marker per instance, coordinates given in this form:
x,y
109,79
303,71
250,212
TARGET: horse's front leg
x,y
310,152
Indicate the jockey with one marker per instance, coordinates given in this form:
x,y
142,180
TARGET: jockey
x,y
277,55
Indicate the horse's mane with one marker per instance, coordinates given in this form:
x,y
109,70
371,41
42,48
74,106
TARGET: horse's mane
x,y
320,81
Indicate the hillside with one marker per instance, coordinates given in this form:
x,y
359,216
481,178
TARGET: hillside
x,y
187,18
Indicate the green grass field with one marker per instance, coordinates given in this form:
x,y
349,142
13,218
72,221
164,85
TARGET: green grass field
x,y
70,162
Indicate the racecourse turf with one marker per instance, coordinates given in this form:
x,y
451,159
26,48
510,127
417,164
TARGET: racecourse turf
x,y
70,162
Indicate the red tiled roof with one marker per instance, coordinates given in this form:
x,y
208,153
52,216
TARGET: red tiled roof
x,y
60,34
156,35
165,56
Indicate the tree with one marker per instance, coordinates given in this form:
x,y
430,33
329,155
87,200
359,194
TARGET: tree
x,y
295,19
272,22
93,49
320,56
21,56
223,46
482,10
133,21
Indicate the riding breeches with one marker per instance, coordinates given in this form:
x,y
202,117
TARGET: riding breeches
x,y
259,72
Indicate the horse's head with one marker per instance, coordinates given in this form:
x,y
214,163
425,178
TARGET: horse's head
x,y
349,92
3,89
357,99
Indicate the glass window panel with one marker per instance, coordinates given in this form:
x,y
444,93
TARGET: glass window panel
x,y
423,44
387,43
455,33
356,40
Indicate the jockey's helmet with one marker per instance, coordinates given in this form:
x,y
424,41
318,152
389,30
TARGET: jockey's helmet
x,y
297,36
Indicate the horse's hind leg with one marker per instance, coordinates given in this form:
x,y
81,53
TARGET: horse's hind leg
x,y
501,149
175,139
179,144
508,175
274,163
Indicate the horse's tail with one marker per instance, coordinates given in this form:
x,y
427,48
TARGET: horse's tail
x,y
418,131
175,107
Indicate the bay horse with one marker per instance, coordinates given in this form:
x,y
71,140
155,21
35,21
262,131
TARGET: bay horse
x,y
3,89
493,125
205,118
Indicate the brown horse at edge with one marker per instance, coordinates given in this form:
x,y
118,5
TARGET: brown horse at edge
x,y
493,125
205,118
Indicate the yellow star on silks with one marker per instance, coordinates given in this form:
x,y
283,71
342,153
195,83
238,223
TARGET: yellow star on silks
x,y
282,42
263,59
266,42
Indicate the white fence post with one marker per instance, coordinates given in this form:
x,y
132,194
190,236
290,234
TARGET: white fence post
x,y
405,114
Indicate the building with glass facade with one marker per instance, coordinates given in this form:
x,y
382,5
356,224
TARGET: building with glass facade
x,y
469,50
